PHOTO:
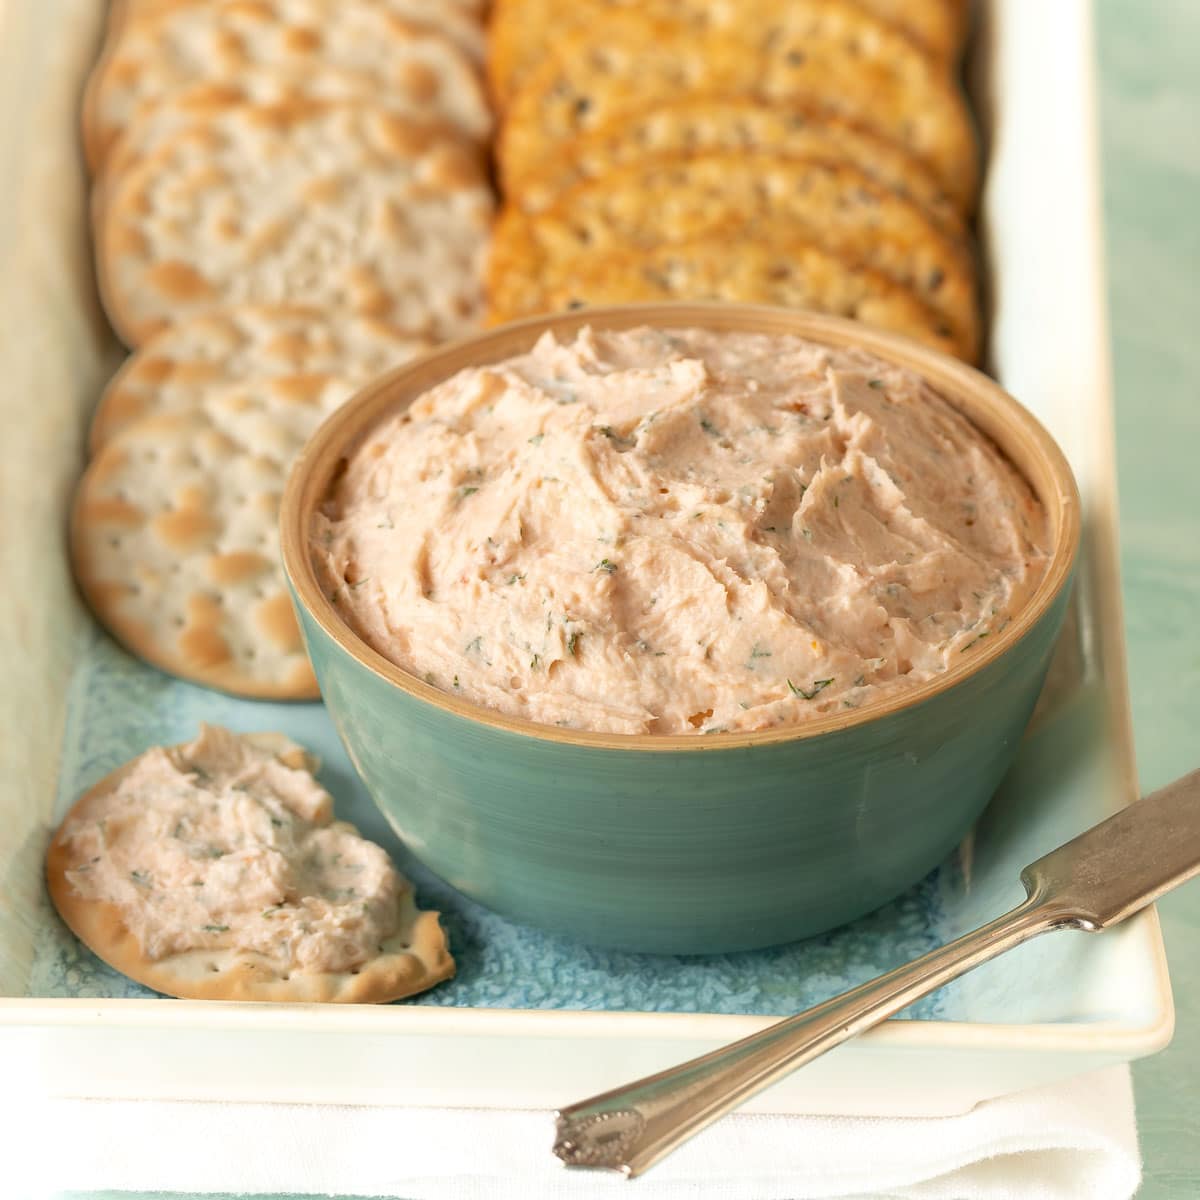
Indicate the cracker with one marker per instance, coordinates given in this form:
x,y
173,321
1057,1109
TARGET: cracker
x,y
748,270
175,546
717,124
522,32
297,363
412,959
319,48
828,54
831,205
345,207
459,20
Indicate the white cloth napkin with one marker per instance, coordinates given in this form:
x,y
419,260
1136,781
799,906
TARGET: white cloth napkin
x,y
1071,1141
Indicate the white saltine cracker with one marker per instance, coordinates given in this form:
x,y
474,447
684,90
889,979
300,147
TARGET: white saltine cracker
x,y
175,546
341,206
462,21
364,44
412,959
298,363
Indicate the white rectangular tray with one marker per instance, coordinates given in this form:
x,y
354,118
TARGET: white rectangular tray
x,y
1058,1006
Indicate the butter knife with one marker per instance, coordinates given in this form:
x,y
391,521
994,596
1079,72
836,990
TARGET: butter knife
x,y
1091,883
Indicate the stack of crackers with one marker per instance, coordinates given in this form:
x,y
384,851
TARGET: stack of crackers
x,y
810,153
290,196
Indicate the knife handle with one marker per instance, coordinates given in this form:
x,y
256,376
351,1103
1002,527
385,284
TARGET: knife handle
x,y
630,1128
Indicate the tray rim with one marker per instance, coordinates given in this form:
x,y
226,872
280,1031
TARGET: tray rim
x,y
1074,1038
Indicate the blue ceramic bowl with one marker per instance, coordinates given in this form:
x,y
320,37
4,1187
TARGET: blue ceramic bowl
x,y
685,844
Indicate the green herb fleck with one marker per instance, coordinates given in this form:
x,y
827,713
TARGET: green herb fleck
x,y
860,681
474,646
270,912
756,651
536,440
388,524
464,492
215,928
358,583
709,427
456,683
534,661
974,640
140,878
514,579
808,534
605,565
572,644
836,501
877,384
819,685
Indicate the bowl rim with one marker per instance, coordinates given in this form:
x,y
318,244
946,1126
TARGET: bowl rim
x,y
1014,429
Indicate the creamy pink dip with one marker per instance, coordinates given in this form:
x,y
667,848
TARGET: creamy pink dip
x,y
220,845
678,531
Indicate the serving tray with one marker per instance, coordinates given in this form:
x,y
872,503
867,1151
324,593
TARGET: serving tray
x,y
532,1020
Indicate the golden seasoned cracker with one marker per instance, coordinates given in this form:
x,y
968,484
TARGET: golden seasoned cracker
x,y
296,363
741,269
346,207
708,124
140,870
522,33
830,205
824,53
320,48
175,546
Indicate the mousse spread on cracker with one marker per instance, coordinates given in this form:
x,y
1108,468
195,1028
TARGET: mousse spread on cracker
x,y
215,870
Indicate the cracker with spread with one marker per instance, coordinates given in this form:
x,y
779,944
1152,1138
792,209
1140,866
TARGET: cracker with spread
x,y
215,870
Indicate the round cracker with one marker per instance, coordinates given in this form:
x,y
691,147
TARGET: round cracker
x,y
319,44
522,32
343,206
744,270
175,546
297,362
828,54
831,205
412,960
719,124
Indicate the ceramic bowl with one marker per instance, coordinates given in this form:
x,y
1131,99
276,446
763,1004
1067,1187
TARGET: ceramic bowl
x,y
685,844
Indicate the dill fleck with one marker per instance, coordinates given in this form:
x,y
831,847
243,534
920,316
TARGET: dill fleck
x,y
877,384
605,565
709,427
572,644
140,878
974,640
474,646
388,524
215,928
356,585
456,683
270,912
515,579
860,681
467,491
534,661
756,651
536,440
819,685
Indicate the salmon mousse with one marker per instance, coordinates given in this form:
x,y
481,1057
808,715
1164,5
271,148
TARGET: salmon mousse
x,y
678,531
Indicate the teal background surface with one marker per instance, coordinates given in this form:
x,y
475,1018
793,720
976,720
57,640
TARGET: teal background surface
x,y
1150,113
